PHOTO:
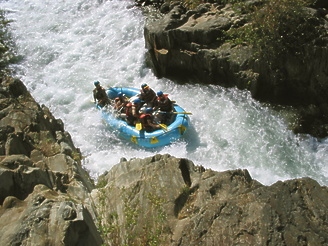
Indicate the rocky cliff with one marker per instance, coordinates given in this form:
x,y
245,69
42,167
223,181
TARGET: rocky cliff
x,y
191,45
162,200
44,191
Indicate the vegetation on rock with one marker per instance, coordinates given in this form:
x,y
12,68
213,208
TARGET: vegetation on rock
x,y
277,27
7,46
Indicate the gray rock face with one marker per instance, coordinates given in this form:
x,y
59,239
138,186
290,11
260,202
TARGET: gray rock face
x,y
44,191
187,46
46,217
162,200
180,45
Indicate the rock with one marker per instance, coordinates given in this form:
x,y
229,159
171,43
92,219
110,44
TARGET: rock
x,y
189,46
46,217
14,161
171,201
17,88
42,182
320,4
17,144
183,45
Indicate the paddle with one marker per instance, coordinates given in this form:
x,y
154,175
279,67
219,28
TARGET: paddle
x,y
163,126
139,126
182,113
163,112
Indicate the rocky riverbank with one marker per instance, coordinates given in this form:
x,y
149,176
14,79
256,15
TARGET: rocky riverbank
x,y
162,200
44,191
202,45
47,198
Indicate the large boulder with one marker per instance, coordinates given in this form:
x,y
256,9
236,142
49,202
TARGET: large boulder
x,y
165,200
46,217
179,45
44,191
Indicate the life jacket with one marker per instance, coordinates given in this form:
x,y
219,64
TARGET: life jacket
x,y
128,109
101,96
147,95
164,103
143,118
135,108
100,93
121,100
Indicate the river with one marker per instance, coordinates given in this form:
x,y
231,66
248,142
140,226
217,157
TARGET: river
x,y
67,45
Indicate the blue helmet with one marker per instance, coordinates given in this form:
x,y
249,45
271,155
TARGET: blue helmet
x,y
149,110
96,83
137,100
159,93
120,94
144,85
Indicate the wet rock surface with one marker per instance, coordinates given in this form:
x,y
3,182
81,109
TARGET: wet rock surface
x,y
187,46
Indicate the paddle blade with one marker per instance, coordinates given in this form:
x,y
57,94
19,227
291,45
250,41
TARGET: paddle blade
x,y
139,126
182,113
163,126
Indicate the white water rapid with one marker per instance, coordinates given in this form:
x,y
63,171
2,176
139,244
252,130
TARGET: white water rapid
x,y
68,44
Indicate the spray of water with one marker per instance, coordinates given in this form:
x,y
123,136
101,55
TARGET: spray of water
x,y
69,44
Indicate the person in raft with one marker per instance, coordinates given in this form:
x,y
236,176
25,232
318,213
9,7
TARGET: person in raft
x,y
147,95
165,106
132,111
99,95
120,102
147,121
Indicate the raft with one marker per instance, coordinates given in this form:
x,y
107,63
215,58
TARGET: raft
x,y
160,137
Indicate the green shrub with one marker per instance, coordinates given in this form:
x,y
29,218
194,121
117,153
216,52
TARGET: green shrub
x,y
277,27
7,46
191,4
283,26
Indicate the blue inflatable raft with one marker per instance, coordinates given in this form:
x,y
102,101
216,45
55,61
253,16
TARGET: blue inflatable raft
x,y
156,138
